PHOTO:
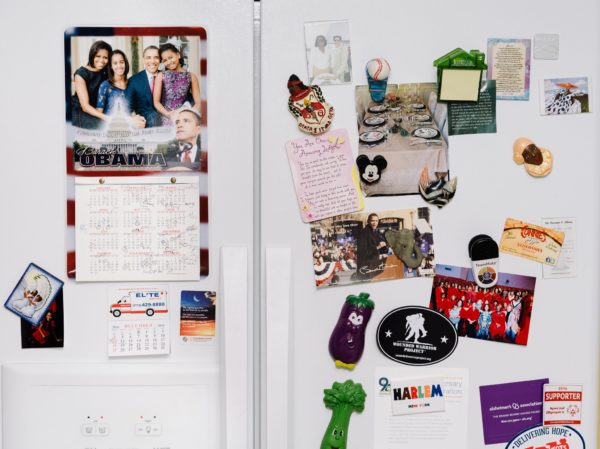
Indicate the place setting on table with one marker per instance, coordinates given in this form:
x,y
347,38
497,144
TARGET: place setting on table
x,y
411,120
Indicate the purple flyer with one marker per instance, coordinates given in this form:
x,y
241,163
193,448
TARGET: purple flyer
x,y
507,409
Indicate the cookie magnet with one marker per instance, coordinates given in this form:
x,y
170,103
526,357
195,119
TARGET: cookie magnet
x,y
484,254
307,104
537,161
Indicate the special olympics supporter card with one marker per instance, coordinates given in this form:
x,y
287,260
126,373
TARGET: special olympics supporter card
x,y
33,294
562,404
324,175
531,241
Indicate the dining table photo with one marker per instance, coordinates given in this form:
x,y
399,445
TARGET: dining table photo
x,y
407,132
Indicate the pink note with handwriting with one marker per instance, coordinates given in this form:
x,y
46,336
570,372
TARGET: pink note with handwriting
x,y
324,175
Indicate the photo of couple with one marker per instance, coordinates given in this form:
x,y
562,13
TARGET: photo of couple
x,y
136,101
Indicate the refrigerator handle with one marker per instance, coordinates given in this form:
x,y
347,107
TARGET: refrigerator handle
x,y
236,348
278,300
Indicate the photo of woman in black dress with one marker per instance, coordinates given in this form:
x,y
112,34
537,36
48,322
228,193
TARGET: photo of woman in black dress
x,y
88,79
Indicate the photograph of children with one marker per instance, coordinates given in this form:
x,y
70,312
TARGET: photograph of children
x,y
33,294
372,246
197,321
409,131
136,101
501,313
565,96
49,333
328,52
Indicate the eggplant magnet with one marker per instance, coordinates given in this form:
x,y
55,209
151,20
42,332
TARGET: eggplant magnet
x,y
484,254
347,340
307,104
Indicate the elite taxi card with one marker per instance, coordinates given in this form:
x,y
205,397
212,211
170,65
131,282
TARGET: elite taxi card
x,y
531,241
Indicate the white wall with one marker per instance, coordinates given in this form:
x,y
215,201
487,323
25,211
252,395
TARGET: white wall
x,y
410,35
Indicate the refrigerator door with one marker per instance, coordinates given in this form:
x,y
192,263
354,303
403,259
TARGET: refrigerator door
x,y
32,186
491,187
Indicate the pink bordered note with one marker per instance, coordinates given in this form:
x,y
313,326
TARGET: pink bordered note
x,y
324,175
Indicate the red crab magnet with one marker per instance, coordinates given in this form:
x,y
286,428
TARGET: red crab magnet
x,y
306,103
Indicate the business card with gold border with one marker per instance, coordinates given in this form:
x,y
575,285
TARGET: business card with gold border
x,y
531,241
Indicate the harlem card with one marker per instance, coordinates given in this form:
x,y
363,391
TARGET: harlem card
x,y
418,395
136,104
447,428
138,322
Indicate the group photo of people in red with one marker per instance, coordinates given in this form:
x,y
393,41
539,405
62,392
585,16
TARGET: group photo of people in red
x,y
501,313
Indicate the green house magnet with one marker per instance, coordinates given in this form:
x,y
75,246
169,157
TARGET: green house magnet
x,y
459,75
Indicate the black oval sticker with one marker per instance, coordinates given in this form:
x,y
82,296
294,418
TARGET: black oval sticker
x,y
416,335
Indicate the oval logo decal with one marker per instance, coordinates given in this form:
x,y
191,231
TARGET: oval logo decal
x,y
416,335
556,437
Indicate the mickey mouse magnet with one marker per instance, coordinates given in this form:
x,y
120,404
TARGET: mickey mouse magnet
x,y
370,170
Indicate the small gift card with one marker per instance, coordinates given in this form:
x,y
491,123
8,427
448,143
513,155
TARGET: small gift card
x,y
421,395
33,294
197,317
531,241
324,175
562,404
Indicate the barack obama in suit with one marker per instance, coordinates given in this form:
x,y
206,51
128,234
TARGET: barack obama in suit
x,y
139,88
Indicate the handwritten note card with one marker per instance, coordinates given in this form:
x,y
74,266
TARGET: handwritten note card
x,y
137,228
324,175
